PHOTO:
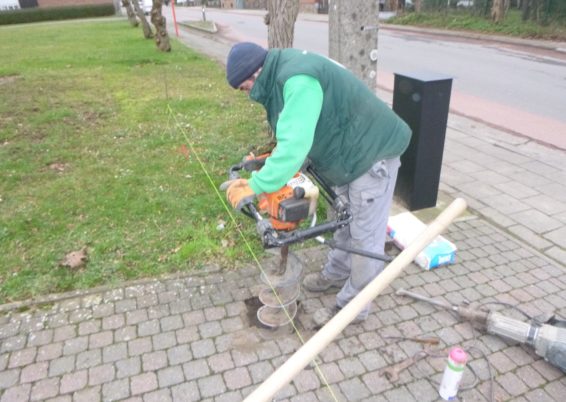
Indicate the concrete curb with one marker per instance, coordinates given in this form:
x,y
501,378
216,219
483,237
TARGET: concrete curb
x,y
190,25
544,44
59,297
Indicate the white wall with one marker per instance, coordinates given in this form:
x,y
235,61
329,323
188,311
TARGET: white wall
x,y
9,4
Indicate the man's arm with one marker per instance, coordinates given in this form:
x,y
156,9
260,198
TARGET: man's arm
x,y
302,96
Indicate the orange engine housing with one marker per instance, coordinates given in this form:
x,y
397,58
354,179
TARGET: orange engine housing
x,y
286,207
270,204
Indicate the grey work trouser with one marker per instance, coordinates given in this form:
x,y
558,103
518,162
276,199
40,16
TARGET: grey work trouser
x,y
370,198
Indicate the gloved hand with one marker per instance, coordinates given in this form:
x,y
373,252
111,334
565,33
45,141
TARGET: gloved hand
x,y
239,193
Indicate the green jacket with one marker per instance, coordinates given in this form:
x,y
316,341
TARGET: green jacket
x,y
350,128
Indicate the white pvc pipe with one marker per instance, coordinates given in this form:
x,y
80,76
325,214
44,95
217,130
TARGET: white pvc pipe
x,y
284,374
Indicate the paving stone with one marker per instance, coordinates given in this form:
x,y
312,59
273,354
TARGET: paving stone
x,y
423,391
40,338
354,389
9,378
89,327
331,353
218,313
126,305
139,346
203,348
196,369
237,378
101,374
211,386
539,395
34,372
170,376
187,335
147,300
162,395
4,361
44,389
87,395
351,346
154,361
193,318
146,328
63,333
116,390
242,358
13,343
128,367
143,383
61,365
260,371
100,339
556,389
267,350
171,323
16,394
50,351
232,324
22,357
164,340
351,367
73,381
221,362
530,376
117,351
512,384
136,316
155,312
187,391
125,334
75,345
87,359
210,329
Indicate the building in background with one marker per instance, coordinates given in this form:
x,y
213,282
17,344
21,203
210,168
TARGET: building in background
x,y
306,6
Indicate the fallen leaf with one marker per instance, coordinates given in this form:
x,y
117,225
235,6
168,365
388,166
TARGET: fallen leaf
x,y
75,259
58,167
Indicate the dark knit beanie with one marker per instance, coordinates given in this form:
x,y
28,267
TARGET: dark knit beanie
x,y
244,60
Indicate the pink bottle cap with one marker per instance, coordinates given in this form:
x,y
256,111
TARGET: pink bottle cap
x,y
458,355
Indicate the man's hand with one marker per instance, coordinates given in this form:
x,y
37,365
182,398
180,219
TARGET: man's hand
x,y
239,193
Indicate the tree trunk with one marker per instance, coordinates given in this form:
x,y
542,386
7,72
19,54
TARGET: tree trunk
x,y
498,10
352,37
131,15
418,6
147,33
158,20
280,21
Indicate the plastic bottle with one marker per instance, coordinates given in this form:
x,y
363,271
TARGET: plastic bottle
x,y
453,374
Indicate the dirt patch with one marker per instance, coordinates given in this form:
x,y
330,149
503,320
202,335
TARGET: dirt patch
x,y
8,79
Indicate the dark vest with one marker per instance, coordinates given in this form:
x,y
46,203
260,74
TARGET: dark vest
x,y
355,128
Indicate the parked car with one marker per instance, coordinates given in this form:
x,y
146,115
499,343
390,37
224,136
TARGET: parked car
x,y
146,6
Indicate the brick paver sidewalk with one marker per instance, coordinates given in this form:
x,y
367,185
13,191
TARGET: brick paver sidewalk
x,y
191,339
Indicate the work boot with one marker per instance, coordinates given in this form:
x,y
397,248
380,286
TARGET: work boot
x,y
319,283
323,315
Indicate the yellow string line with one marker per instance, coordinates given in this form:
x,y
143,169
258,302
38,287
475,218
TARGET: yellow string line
x,y
233,220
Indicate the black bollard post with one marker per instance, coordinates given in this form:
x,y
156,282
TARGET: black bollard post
x,y
422,100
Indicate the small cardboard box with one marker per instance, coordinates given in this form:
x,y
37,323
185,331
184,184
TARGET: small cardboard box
x,y
406,227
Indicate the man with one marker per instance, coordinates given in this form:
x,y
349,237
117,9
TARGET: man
x,y
321,111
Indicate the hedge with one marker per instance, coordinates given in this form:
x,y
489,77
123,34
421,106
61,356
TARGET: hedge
x,y
55,13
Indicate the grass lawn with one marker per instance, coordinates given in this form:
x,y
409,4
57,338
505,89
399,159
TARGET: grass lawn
x,y
92,156
466,21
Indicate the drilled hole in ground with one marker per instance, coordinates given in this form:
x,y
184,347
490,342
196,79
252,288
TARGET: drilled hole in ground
x,y
253,304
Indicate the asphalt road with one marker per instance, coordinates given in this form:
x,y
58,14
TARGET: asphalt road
x,y
518,88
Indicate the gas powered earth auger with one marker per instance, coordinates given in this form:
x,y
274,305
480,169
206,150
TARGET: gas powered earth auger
x,y
285,210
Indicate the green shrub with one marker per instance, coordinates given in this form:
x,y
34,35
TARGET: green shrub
x,y
27,15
